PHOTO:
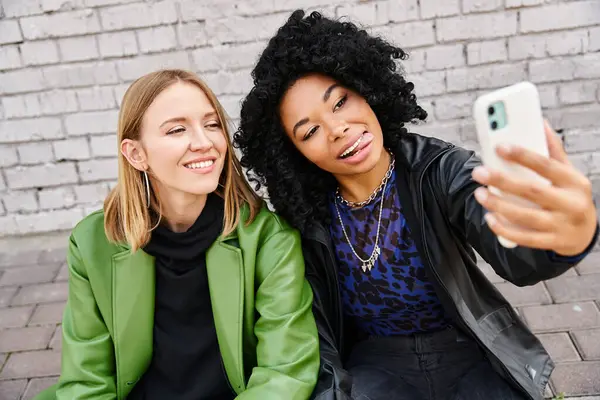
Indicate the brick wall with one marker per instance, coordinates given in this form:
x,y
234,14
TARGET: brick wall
x,y
65,64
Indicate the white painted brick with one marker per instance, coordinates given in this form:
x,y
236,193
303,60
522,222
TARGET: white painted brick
x,y
97,3
10,32
575,116
41,176
582,140
96,98
130,69
523,3
117,44
10,57
48,221
574,14
454,106
594,44
98,170
85,74
27,130
104,146
588,66
415,61
401,11
548,95
8,226
436,8
21,8
551,70
20,81
78,49
20,200
91,194
35,153
547,44
578,92
91,123
485,77
71,23
39,52
236,82
192,10
61,5
2,212
58,102
19,106
153,40
231,104
244,29
473,6
71,149
413,34
138,15
227,57
8,156
448,131
445,56
120,92
486,52
484,26
364,14
192,34
428,83
56,198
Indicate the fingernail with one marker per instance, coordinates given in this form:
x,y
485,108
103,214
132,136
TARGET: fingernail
x,y
481,194
481,174
504,148
490,219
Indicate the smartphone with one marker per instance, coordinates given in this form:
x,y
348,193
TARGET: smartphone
x,y
511,115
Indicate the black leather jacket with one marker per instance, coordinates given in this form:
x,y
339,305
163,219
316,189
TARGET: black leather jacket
x,y
436,191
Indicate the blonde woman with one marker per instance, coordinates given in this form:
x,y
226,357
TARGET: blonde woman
x,y
185,286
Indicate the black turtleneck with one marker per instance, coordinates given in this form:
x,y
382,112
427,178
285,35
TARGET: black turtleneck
x,y
186,361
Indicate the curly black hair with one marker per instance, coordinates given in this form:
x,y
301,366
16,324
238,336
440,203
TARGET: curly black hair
x,y
297,188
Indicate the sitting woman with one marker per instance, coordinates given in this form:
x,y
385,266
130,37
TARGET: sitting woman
x,y
185,286
389,220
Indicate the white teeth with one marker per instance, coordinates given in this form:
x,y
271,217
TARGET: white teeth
x,y
353,147
201,164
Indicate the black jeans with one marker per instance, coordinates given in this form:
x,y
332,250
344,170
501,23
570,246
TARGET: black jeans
x,y
445,365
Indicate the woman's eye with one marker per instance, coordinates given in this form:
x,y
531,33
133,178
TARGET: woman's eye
x,y
176,130
213,125
311,132
340,103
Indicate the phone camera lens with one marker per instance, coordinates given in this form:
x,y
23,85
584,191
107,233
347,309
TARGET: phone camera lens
x,y
491,110
494,125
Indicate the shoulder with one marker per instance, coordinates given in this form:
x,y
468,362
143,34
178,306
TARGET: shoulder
x,y
265,225
89,238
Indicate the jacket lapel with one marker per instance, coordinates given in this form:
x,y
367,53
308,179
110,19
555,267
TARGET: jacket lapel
x,y
133,316
224,265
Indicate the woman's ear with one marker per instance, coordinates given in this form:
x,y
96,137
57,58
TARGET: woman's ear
x,y
133,151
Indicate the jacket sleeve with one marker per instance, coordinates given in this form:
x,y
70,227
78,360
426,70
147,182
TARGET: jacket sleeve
x,y
522,266
334,382
288,344
88,359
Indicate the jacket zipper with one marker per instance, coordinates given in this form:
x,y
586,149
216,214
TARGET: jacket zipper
x,y
441,284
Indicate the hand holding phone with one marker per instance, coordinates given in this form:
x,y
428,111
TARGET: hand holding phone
x,y
535,197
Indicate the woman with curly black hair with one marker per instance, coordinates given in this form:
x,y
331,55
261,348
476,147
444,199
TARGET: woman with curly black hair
x,y
390,219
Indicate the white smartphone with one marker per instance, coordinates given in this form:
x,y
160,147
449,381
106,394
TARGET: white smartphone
x,y
511,115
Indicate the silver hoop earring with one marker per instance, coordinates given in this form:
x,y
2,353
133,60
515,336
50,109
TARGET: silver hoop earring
x,y
147,189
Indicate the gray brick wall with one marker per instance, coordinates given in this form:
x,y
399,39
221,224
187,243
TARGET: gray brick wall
x,y
65,64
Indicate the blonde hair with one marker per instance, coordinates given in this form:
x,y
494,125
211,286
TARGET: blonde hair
x,y
127,217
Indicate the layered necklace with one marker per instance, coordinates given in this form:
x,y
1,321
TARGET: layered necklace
x,y
369,262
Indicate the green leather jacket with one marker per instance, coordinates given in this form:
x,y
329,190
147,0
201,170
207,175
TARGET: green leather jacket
x,y
261,304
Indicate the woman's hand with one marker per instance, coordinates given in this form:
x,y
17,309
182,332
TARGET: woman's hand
x,y
566,221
